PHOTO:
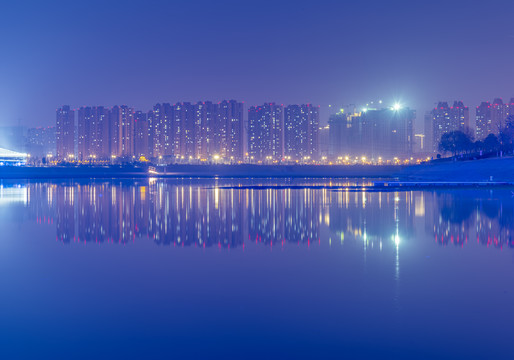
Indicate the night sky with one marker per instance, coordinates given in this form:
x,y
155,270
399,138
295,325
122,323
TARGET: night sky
x,y
321,52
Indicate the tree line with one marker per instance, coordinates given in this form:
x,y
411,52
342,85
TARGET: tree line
x,y
462,143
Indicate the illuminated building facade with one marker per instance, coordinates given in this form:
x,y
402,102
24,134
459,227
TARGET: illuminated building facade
x,y
483,120
87,124
229,128
126,131
206,142
491,118
343,128
266,132
301,132
372,134
428,130
65,132
498,115
446,119
141,145
41,141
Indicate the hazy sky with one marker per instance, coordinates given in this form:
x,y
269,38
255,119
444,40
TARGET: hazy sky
x,y
323,52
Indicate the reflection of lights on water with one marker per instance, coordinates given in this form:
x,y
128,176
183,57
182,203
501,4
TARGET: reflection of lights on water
x,y
396,239
216,197
13,194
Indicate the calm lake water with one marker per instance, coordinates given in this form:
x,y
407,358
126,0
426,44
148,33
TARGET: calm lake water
x,y
227,269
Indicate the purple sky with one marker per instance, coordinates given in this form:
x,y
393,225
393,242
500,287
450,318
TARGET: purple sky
x,y
323,52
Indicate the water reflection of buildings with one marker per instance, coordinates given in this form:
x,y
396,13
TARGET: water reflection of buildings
x,y
118,213
204,216
13,193
189,214
373,217
291,215
458,217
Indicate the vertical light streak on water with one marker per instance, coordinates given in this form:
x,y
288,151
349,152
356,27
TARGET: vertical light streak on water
x,y
396,239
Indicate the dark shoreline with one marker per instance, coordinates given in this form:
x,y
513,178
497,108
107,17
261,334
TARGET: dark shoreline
x,y
472,172
207,171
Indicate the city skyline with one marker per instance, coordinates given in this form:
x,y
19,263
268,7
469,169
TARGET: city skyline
x,y
202,129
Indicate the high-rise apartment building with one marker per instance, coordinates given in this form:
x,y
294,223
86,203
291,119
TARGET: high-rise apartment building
x,y
101,144
184,131
492,118
121,131
373,134
301,127
446,119
428,132
93,133
207,128
460,115
141,145
41,141
86,127
161,130
266,132
498,115
230,130
483,120
509,110
114,131
344,128
65,132
126,133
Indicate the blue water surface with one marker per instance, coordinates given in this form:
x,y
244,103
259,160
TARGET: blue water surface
x,y
254,269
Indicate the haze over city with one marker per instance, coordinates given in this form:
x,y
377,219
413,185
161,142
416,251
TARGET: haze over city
x,y
325,53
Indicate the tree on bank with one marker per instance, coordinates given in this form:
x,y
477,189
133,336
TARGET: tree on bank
x,y
458,142
491,143
455,142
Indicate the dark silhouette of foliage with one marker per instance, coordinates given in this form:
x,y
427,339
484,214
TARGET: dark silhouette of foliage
x,y
491,143
455,142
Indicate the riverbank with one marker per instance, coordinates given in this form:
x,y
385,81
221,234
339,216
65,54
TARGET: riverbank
x,y
486,170
245,170
495,169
